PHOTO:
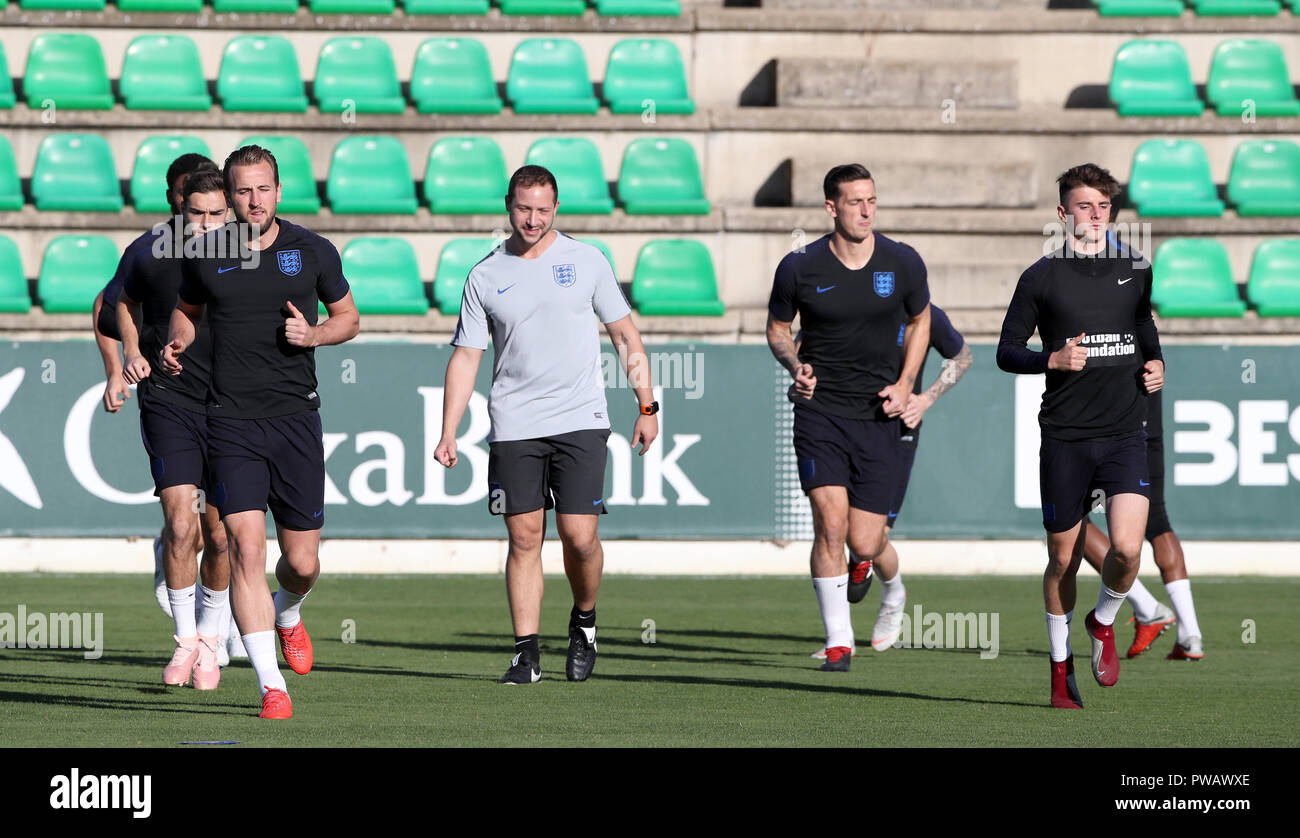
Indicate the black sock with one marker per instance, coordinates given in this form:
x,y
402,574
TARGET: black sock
x,y
527,646
584,619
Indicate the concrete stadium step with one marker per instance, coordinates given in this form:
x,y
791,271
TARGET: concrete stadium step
x,y
904,83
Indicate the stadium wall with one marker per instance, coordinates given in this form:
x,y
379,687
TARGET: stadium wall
x,y
722,469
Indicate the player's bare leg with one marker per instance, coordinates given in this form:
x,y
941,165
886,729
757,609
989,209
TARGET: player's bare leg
x,y
1126,518
584,561
1064,554
180,531
869,539
524,588
1173,570
1152,617
250,598
296,572
830,572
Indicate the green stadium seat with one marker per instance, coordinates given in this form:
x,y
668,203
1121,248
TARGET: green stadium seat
x,y
646,68
352,7
603,248
384,276
370,174
360,70
278,7
76,172
1236,7
260,73
7,97
1194,279
73,272
163,72
445,7
1265,178
579,175
69,70
297,181
453,75
1274,284
543,7
1139,8
670,8
661,176
14,298
675,277
187,6
1172,177
149,185
62,5
549,75
466,175
11,186
1245,72
458,256
1153,78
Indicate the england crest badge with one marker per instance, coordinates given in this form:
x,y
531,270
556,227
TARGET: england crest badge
x,y
884,283
565,275
290,262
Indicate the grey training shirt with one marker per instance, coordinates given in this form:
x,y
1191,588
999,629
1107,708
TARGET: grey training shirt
x,y
546,378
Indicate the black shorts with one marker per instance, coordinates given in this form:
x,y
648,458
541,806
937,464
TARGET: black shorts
x,y
1158,517
565,472
862,455
1069,473
277,462
176,440
907,454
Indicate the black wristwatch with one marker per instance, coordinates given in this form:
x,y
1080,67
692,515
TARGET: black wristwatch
x,y
650,409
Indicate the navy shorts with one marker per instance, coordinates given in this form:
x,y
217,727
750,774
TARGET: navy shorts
x,y
1070,472
908,442
565,472
862,455
176,440
277,463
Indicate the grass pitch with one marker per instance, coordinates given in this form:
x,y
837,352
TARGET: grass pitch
x,y
729,666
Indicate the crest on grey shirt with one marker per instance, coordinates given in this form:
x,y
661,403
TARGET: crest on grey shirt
x,y
565,275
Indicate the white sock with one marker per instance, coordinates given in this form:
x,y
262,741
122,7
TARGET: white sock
x,y
833,600
1180,591
892,593
287,604
1144,604
1058,635
182,603
1108,603
212,613
261,653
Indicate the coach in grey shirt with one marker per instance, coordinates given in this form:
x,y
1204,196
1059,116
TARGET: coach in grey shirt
x,y
538,298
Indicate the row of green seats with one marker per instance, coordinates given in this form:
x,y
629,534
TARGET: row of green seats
x,y
672,276
370,7
1194,279
1172,178
260,73
1170,8
1153,78
370,174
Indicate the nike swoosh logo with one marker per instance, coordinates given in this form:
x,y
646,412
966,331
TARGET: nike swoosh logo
x,y
223,270
1142,483
507,288
821,290
1122,281
597,501
318,514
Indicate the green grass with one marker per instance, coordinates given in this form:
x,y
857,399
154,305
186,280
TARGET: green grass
x,y
730,668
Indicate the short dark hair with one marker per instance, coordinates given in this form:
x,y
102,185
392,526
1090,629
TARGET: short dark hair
x,y
1087,174
206,180
530,176
251,155
843,174
186,165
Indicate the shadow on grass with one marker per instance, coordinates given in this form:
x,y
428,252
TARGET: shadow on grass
x,y
124,704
